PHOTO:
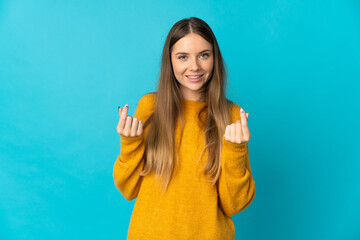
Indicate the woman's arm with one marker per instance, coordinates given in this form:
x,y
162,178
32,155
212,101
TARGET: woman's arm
x,y
236,185
132,150
128,163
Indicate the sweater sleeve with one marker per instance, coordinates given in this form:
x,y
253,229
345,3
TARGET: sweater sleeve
x,y
236,186
132,149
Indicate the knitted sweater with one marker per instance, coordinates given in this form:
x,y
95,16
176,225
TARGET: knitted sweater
x,y
191,207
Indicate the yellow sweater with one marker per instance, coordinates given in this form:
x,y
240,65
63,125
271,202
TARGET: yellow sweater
x,y
191,208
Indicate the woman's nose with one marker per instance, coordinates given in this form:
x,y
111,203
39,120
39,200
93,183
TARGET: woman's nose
x,y
194,65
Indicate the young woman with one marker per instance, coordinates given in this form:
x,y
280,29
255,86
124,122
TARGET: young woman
x,y
184,155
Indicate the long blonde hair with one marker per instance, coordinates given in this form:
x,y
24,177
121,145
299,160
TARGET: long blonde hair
x,y
160,156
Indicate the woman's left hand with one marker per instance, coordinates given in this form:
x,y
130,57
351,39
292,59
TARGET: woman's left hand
x,y
238,132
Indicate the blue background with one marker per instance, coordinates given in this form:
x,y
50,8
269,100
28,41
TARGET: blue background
x,y
65,67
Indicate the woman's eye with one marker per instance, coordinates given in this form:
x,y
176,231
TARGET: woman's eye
x,y
204,54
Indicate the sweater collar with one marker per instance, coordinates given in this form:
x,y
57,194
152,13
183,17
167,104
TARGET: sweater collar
x,y
193,105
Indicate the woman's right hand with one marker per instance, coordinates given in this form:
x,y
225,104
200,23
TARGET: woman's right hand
x,y
128,126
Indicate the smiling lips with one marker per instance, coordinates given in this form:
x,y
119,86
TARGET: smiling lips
x,y
194,78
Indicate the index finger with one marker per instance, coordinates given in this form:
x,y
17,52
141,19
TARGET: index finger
x,y
123,116
244,122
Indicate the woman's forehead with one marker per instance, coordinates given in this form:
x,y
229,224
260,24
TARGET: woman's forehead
x,y
192,43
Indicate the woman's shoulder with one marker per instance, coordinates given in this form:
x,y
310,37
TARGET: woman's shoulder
x,y
232,105
147,99
146,103
234,109
145,106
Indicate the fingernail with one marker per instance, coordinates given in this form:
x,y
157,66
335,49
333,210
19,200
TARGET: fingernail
x,y
126,105
241,110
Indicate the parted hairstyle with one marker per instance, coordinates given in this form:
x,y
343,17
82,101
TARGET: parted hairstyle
x,y
213,118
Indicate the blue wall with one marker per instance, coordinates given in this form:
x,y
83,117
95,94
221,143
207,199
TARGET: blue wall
x,y
65,66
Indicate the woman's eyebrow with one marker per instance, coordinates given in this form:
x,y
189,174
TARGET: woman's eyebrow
x,y
187,53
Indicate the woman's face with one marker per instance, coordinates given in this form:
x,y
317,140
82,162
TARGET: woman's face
x,y
191,57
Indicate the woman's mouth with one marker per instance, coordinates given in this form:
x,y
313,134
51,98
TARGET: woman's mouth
x,y
194,78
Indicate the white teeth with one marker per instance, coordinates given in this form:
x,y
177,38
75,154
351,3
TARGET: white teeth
x,y
194,76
